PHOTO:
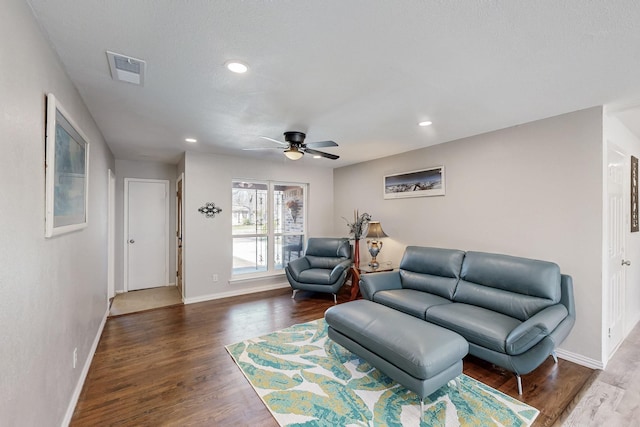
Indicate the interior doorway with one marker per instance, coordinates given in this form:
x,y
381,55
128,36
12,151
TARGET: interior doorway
x,y
111,236
146,234
614,300
179,240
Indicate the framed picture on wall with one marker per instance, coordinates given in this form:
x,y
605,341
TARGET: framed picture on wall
x,y
418,183
66,172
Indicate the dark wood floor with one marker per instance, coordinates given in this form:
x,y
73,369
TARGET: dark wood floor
x,y
169,366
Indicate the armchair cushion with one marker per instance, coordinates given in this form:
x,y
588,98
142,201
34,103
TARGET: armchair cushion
x,y
321,276
297,266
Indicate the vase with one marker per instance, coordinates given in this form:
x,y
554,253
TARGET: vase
x,y
356,253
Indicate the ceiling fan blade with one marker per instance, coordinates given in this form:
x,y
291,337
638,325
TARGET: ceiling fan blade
x,y
319,144
321,153
275,140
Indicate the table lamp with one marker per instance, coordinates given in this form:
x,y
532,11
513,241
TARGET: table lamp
x,y
374,233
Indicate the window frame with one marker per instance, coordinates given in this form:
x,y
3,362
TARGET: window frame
x,y
271,234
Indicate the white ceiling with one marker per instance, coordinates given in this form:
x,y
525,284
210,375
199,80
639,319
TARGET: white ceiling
x,y
359,72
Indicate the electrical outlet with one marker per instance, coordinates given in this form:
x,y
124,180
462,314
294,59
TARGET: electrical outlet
x,y
75,357
215,277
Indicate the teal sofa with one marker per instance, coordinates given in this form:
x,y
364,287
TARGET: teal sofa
x,y
512,311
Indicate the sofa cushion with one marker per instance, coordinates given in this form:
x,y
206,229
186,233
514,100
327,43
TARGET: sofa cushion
x,y
432,270
477,325
409,301
517,287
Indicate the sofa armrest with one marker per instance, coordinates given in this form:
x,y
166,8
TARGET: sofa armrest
x,y
531,331
566,298
375,282
298,265
339,269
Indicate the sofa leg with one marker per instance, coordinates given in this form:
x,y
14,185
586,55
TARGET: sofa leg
x,y
555,356
519,378
335,299
295,291
421,408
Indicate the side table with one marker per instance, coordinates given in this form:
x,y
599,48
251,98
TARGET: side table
x,y
357,271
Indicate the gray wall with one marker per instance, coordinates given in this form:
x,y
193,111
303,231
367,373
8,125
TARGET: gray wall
x,y
53,292
533,190
207,242
145,170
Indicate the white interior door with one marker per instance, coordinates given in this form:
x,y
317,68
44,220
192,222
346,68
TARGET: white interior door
x,y
616,274
146,233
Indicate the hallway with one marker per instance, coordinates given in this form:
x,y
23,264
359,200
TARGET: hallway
x,y
145,299
613,398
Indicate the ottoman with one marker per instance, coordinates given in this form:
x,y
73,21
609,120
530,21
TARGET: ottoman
x,y
419,355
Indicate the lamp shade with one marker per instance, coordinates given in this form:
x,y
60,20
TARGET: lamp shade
x,y
375,230
293,153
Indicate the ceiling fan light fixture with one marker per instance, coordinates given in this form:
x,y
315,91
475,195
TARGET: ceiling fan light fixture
x,y
237,67
293,153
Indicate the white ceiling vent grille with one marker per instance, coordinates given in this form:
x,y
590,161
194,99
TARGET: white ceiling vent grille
x,y
126,69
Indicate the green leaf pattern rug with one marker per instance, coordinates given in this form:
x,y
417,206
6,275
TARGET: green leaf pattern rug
x,y
305,379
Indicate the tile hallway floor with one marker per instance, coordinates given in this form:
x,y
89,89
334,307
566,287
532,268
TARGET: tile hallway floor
x,y
613,398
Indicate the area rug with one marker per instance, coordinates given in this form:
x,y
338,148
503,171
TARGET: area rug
x,y
305,379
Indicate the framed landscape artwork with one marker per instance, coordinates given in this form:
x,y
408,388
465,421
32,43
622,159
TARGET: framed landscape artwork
x,y
419,183
67,172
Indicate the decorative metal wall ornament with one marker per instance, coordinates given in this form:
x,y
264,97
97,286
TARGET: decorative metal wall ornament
x,y
209,210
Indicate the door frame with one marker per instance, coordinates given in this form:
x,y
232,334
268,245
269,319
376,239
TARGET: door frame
x,y
180,228
111,236
126,227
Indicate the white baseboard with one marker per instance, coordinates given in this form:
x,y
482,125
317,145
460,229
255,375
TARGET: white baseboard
x,y
83,375
236,292
579,359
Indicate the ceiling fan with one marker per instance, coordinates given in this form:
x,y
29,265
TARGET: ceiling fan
x,y
295,147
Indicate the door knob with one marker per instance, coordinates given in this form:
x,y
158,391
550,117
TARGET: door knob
x,y
627,262
132,241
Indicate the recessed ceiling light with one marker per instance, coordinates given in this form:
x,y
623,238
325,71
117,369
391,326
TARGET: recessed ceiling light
x,y
317,157
237,67
425,123
191,140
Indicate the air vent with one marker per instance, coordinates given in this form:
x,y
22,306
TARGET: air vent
x,y
126,69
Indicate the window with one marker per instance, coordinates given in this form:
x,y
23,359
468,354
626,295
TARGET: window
x,y
268,225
